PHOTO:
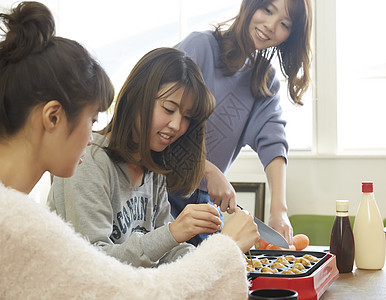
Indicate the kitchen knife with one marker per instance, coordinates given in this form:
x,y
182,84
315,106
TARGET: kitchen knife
x,y
269,234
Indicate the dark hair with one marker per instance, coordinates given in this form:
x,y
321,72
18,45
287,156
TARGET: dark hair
x,y
294,54
36,66
184,160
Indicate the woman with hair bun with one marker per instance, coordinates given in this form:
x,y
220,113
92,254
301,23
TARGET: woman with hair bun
x,y
51,91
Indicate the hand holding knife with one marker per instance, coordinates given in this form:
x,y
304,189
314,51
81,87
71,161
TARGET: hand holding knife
x,y
269,234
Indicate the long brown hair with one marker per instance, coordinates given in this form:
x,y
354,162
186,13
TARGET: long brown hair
x,y
36,66
183,161
236,46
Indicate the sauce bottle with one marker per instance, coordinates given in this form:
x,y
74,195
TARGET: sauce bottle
x,y
342,239
368,232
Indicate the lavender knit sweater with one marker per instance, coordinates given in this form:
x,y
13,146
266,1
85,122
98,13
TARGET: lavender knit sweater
x,y
239,119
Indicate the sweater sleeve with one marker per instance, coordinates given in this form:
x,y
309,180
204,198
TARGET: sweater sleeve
x,y
265,131
160,242
43,257
84,200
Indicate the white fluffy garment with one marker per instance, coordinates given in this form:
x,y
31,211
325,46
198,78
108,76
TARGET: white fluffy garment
x,y
41,257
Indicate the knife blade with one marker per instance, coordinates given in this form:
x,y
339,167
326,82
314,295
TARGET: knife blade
x,y
269,234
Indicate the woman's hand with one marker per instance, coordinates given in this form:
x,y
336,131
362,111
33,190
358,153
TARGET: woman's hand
x,y
280,222
220,191
242,229
278,219
195,219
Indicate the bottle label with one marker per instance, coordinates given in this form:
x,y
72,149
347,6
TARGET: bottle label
x,y
341,213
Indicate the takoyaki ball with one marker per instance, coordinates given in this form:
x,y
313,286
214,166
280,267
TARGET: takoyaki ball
x,y
282,260
264,260
310,257
250,269
296,271
256,263
277,265
298,266
290,257
303,261
266,270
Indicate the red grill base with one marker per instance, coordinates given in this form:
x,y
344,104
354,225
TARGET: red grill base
x,y
309,287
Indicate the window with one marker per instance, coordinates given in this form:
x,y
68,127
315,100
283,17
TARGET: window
x,y
299,119
361,74
350,78
120,32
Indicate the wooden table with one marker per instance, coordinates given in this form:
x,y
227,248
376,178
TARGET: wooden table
x,y
360,284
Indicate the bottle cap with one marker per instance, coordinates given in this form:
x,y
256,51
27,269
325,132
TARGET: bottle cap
x,y
367,186
341,205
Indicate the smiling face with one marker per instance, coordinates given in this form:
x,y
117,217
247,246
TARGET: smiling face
x,y
171,118
270,26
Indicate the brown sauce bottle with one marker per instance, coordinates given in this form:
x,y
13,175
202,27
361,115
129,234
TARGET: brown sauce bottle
x,y
342,238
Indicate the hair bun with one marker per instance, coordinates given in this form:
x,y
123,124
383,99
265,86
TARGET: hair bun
x,y
30,28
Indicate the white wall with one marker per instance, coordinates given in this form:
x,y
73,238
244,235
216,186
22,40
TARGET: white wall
x,y
315,182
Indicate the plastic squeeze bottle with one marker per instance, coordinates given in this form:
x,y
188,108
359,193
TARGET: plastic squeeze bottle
x,y
368,232
342,239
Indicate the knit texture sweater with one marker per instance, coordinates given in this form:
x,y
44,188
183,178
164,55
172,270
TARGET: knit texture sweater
x,y
239,119
41,257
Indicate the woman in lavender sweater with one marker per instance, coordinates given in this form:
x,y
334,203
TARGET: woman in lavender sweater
x,y
236,64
